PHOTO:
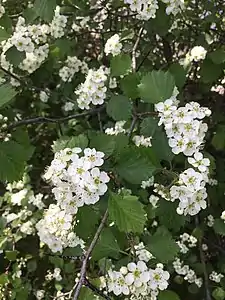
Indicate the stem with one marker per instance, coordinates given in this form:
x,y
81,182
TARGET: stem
x,y
87,256
202,258
38,120
134,65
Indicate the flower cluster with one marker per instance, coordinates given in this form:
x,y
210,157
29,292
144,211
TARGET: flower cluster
x,y
147,183
4,136
32,40
186,241
137,279
44,96
187,272
223,216
146,9
56,229
216,277
190,191
58,24
117,129
113,45
142,253
210,220
93,90
197,53
174,6
77,181
73,65
140,140
183,125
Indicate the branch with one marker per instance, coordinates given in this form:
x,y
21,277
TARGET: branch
x,y
132,126
95,289
202,258
87,256
39,120
135,49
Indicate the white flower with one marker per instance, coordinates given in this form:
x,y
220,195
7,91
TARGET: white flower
x,y
154,200
40,294
158,278
147,183
43,96
199,162
113,46
198,53
138,274
223,216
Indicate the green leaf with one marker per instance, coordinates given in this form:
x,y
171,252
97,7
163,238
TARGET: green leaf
x,y
129,85
127,213
178,73
80,141
218,56
13,157
219,226
168,216
156,86
107,246
84,229
4,35
7,93
45,9
218,140
14,56
11,255
149,126
102,142
119,108
218,293
120,64
210,72
134,165
161,147
162,246
168,295
3,279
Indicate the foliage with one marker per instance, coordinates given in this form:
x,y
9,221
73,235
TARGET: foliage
x,y
102,103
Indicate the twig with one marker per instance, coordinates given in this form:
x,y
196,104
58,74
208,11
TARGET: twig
x,y
143,60
135,49
133,123
95,289
12,75
87,256
202,258
39,120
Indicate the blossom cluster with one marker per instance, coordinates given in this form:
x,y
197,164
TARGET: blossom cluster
x,y
146,9
77,181
136,279
147,183
184,127
58,24
31,39
140,140
93,90
186,241
119,128
187,272
72,66
216,277
4,136
142,253
174,6
113,45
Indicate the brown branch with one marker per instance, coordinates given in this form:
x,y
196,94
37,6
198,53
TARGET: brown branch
x,y
134,65
39,120
87,256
